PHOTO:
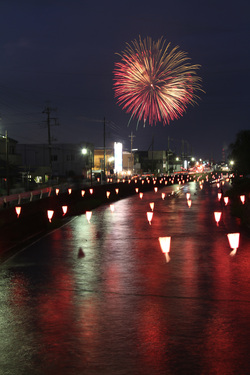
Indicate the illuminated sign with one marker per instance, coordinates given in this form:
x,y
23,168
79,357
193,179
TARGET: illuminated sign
x,y
118,156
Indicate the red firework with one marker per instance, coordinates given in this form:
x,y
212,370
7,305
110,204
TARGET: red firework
x,y
155,83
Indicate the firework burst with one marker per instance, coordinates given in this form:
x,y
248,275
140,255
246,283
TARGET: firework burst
x,y
154,83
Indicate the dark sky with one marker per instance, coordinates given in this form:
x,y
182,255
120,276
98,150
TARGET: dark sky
x,y
63,52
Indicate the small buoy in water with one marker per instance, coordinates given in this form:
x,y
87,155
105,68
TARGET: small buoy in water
x,y
81,253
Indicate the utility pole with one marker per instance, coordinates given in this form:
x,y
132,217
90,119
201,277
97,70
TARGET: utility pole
x,y
7,163
104,149
131,136
48,110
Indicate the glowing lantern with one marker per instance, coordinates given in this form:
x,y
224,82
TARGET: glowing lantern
x,y
57,191
163,196
188,196
135,181
234,239
148,181
201,186
149,217
98,179
152,205
141,195
117,191
69,191
129,181
219,196
218,185
242,198
108,194
166,182
156,189
136,190
123,180
154,182
83,193
91,191
50,214
179,182
165,246
189,203
142,182
118,180
18,211
226,200
112,207
217,217
65,209
107,179
88,215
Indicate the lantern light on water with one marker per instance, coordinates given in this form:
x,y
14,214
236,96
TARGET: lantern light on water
x,y
156,189
88,215
112,207
57,191
189,203
217,217
18,210
91,191
142,182
117,191
50,214
233,239
163,196
152,205
165,246
226,200
219,196
141,195
136,190
64,209
83,193
149,217
69,191
108,194
188,196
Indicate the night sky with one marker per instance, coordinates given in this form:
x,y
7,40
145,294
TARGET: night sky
x,y
62,54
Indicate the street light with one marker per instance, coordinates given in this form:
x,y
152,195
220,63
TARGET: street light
x,y
85,152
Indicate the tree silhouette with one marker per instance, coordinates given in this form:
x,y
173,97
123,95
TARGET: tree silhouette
x,y
240,153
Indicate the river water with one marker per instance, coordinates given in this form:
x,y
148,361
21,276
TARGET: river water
x,y
100,298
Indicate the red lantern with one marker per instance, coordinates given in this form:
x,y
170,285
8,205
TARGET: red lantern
x,y
64,209
18,211
88,215
233,239
165,246
149,217
83,193
69,191
152,205
217,217
50,214
242,198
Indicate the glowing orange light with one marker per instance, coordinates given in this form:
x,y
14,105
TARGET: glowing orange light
x,y
179,182
112,207
217,217
201,186
234,239
88,215
189,203
218,185
91,191
219,196
50,214
69,191
226,200
136,190
129,181
165,246
142,182
149,217
188,196
163,196
108,194
65,209
141,195
117,191
148,181
242,198
118,180
154,182
18,210
83,193
98,179
156,189
152,205
135,181
57,191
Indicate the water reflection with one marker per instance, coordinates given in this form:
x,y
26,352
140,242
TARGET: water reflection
x,y
121,309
